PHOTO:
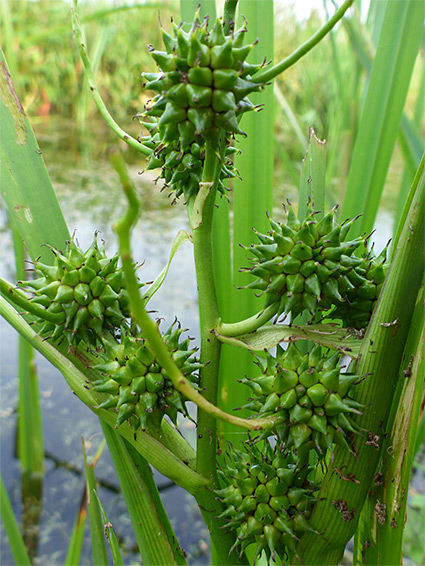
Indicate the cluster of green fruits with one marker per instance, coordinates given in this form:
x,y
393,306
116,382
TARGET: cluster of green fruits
x,y
85,289
182,169
310,396
309,265
202,89
136,385
267,499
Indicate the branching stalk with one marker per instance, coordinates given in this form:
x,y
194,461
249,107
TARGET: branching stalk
x,y
150,328
132,142
268,74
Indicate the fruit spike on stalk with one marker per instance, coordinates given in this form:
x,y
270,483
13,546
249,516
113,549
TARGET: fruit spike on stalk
x,y
267,498
202,88
309,265
86,288
310,396
181,161
137,388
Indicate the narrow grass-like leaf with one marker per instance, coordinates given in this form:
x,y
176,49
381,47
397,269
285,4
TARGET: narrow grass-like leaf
x,y
380,358
16,542
327,335
155,537
30,429
110,534
26,186
73,555
251,198
383,516
385,99
181,238
312,186
97,535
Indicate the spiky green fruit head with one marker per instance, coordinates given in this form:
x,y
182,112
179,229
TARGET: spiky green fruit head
x,y
181,164
309,394
267,499
360,298
137,387
304,265
203,82
86,288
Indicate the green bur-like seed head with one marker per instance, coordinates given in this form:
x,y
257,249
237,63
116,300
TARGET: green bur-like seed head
x,y
267,500
309,265
136,386
181,165
310,396
86,288
202,88
365,283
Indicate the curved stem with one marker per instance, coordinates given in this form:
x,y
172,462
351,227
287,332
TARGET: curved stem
x,y
150,328
268,74
129,140
249,324
15,295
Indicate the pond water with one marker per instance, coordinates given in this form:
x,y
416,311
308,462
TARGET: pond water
x,y
91,199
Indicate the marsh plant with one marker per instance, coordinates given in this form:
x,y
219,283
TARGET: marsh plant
x,y
324,358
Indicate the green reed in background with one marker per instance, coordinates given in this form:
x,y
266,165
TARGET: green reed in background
x,y
333,429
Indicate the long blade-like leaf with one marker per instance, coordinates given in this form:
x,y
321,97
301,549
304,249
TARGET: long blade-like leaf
x,y
98,544
385,99
10,524
25,183
380,358
155,537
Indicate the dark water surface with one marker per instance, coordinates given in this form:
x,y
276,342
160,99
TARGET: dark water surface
x,y
91,199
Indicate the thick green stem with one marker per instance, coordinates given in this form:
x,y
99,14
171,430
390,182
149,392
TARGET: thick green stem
x,y
20,299
149,327
248,325
268,74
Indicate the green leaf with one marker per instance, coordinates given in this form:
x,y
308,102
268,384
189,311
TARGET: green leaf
x,y
385,529
327,335
73,555
110,534
385,99
313,178
144,505
181,237
11,526
97,535
380,357
26,186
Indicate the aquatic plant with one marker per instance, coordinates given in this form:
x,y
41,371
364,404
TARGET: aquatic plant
x,y
295,486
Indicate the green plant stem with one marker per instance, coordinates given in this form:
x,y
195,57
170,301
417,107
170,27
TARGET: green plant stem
x,y
132,142
248,325
229,11
380,358
149,327
159,456
20,299
272,72
210,355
